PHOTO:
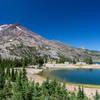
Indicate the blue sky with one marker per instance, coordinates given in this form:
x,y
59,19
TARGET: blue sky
x,y
75,22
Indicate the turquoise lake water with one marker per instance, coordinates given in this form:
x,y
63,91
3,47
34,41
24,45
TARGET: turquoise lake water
x,y
80,76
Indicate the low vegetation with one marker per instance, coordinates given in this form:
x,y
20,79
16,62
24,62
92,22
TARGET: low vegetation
x,y
87,60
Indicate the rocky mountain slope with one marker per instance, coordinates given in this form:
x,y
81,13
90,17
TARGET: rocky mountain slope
x,y
17,41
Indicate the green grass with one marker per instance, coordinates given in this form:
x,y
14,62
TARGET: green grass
x,y
79,66
84,85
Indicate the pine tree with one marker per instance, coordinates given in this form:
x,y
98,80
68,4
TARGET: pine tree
x,y
64,92
2,78
13,75
80,94
24,77
17,96
1,95
7,91
97,97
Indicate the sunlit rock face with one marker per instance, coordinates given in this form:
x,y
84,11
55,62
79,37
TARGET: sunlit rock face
x,y
17,41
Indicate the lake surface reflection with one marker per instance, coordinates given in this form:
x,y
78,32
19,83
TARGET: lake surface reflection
x,y
80,76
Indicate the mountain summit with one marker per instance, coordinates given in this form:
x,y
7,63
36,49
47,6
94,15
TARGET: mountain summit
x,y
17,41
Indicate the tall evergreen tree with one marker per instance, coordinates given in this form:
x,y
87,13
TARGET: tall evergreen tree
x,y
2,77
97,96
80,94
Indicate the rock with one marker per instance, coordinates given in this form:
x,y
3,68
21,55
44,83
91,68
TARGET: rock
x,y
17,41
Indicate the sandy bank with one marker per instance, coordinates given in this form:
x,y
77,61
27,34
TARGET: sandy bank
x,y
94,66
89,90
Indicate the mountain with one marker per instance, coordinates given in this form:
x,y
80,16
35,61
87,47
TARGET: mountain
x,y
17,41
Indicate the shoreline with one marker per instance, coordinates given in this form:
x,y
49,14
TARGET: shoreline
x,y
41,74
70,66
89,90
38,72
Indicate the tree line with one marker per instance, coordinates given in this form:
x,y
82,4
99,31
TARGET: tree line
x,y
87,60
40,60
26,61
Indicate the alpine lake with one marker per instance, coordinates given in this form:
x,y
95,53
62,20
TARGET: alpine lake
x,y
75,76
